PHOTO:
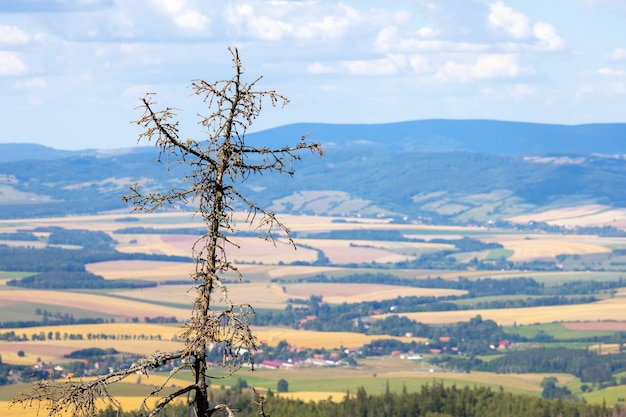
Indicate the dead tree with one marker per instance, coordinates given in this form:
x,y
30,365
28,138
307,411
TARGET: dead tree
x,y
217,164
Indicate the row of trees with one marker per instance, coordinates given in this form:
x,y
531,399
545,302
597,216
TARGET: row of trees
x,y
589,366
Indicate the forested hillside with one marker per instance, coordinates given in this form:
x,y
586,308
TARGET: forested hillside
x,y
438,170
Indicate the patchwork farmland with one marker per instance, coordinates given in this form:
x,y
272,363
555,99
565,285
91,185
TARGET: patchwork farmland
x,y
373,266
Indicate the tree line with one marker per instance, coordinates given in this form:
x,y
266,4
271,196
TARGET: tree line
x,y
56,267
431,400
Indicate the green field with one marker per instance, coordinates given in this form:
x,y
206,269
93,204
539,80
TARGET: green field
x,y
27,312
556,330
4,275
496,254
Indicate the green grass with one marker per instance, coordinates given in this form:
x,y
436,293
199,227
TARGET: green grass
x,y
341,380
461,231
7,275
496,254
7,392
556,330
560,277
26,312
148,301
610,395
136,387
474,301
349,379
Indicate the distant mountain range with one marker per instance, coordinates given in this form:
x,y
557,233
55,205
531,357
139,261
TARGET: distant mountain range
x,y
439,135
445,170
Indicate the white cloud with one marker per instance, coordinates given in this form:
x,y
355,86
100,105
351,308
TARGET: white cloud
x,y
583,91
420,64
172,7
606,6
307,21
12,35
137,91
548,37
34,84
612,72
453,72
11,64
386,39
269,29
520,91
496,66
488,66
618,88
514,23
390,40
618,54
193,20
426,32
318,68
519,27
385,66
185,17
389,65
328,27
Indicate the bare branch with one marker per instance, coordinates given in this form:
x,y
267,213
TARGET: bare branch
x,y
217,164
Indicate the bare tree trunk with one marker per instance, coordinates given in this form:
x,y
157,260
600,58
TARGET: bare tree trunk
x,y
218,163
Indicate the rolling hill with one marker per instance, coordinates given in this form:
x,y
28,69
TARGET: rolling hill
x,y
442,170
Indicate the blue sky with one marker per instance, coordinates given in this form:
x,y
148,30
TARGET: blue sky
x,y
72,71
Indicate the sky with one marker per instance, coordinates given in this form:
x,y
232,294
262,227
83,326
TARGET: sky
x,y
72,71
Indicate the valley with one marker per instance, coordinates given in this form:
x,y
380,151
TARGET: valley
x,y
542,287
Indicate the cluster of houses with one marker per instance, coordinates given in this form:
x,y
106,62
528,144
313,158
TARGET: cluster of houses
x,y
316,360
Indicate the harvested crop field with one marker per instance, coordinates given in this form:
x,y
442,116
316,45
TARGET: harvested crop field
x,y
54,351
147,329
142,270
138,338
526,249
93,302
355,293
317,340
275,296
618,326
149,243
340,251
611,309
252,249
584,215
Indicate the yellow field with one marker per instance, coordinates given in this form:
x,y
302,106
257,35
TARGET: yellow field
x,y
535,248
605,349
275,296
354,293
127,404
142,270
146,341
252,249
53,351
147,329
148,243
329,340
92,302
585,215
611,309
